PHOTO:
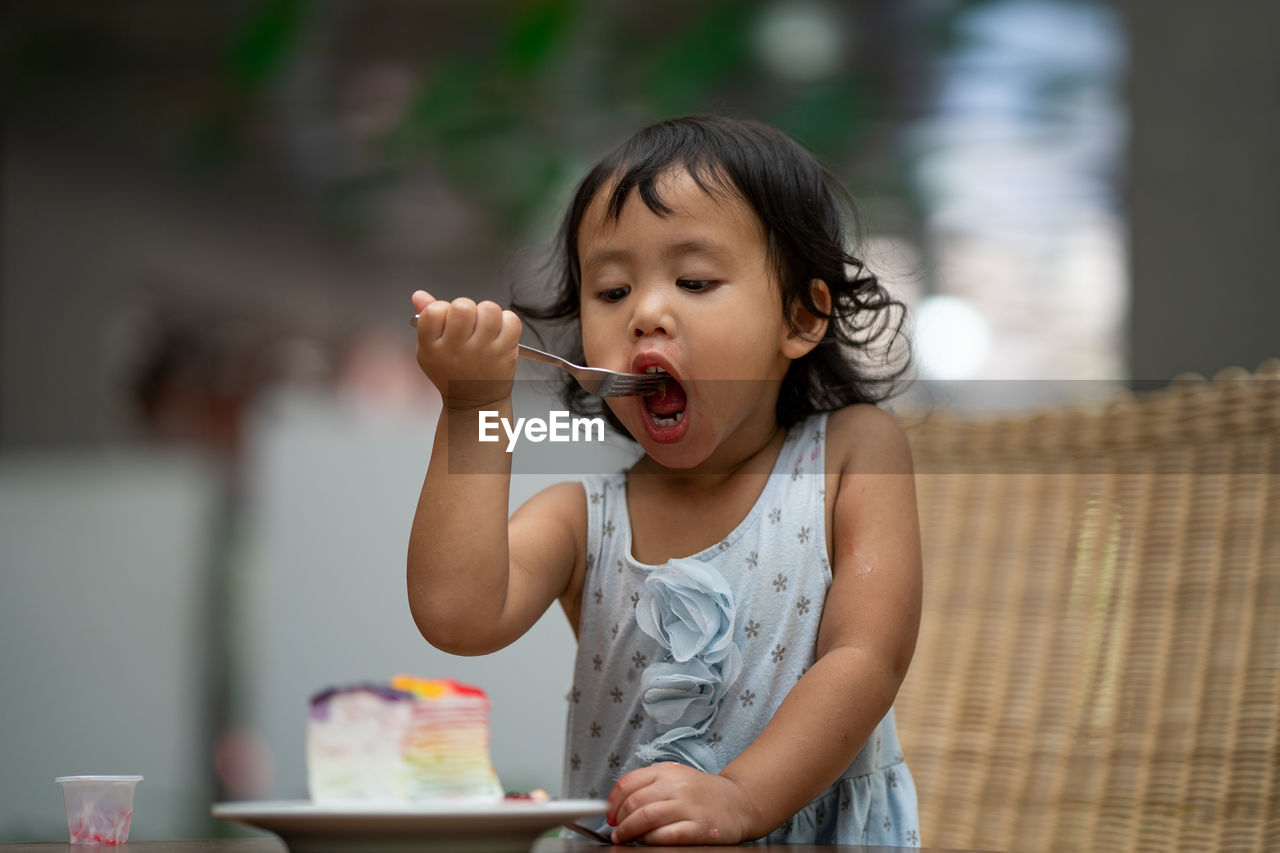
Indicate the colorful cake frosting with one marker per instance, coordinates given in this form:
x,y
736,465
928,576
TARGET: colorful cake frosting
x,y
410,741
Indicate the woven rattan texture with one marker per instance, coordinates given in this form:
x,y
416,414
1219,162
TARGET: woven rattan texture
x,y
1098,665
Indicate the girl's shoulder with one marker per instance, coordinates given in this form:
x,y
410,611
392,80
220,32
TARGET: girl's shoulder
x,y
866,439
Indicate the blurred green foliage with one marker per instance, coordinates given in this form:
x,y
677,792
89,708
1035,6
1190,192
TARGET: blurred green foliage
x,y
260,48
534,90
509,99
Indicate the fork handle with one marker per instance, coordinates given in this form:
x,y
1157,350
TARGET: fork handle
x,y
544,357
588,832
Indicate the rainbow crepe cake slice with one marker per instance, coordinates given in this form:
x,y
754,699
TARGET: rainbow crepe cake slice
x,y
414,740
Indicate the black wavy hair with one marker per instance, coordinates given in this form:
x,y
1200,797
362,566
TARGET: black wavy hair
x,y
804,212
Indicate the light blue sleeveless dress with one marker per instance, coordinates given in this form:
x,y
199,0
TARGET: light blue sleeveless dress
x,y
687,661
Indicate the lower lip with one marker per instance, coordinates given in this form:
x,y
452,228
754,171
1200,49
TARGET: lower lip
x,y
663,435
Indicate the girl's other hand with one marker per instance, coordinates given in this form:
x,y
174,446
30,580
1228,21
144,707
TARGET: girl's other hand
x,y
670,803
472,346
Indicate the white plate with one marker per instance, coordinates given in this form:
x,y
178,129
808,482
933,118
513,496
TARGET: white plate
x,y
309,828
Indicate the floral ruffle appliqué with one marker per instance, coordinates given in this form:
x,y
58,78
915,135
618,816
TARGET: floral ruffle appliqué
x,y
688,608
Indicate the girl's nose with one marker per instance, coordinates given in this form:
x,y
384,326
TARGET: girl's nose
x,y
652,314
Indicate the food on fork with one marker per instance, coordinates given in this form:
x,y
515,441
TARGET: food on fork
x,y
412,740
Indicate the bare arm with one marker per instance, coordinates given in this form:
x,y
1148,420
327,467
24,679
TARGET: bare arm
x,y
466,593
865,643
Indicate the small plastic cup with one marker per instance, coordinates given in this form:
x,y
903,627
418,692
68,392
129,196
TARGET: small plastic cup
x,y
99,808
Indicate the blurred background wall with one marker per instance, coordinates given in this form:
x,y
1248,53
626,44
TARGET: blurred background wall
x,y
212,429
1202,179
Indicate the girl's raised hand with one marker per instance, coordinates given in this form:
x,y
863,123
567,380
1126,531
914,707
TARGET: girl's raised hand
x,y
467,350
670,803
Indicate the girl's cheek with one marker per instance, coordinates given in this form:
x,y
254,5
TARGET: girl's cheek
x,y
597,343
620,409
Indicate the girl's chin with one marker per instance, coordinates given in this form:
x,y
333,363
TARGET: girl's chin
x,y
669,459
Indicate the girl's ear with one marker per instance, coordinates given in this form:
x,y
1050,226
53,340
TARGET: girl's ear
x,y
808,327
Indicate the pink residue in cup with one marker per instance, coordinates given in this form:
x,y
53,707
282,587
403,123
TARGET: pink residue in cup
x,y
101,827
99,808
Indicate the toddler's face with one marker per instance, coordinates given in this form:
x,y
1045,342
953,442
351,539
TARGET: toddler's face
x,y
693,294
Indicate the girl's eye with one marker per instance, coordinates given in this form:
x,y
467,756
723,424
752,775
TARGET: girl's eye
x,y
613,294
694,285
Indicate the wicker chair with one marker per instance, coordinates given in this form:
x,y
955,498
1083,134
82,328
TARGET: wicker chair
x,y
1098,665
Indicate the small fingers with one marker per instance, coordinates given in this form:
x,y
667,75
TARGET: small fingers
x,y
511,328
431,320
421,299
683,832
625,788
488,321
640,821
460,323
453,323
637,801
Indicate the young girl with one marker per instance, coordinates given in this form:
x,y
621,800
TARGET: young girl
x,y
746,596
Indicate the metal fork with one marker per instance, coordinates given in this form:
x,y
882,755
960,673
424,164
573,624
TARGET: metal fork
x,y
596,380
588,832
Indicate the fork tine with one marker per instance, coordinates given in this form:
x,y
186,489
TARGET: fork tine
x,y
598,381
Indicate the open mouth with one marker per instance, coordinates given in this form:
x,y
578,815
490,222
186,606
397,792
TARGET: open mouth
x,y
666,408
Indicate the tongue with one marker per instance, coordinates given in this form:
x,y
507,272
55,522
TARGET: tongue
x,y
669,401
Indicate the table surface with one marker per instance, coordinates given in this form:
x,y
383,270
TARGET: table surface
x,y
271,845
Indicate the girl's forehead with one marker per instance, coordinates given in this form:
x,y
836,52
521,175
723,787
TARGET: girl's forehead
x,y
689,203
